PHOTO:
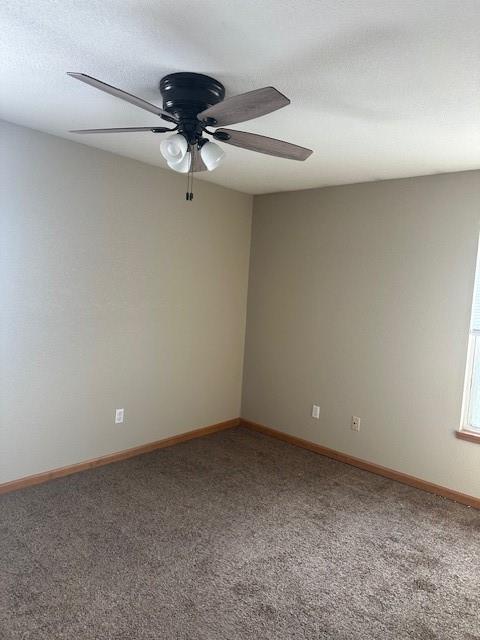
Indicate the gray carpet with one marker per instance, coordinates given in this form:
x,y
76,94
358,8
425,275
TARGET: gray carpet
x,y
236,536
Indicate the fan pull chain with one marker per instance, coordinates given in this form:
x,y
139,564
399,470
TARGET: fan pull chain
x,y
189,193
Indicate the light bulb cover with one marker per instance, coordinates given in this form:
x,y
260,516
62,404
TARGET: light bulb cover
x,y
212,154
174,148
183,165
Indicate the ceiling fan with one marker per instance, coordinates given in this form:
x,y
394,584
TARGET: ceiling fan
x,y
195,104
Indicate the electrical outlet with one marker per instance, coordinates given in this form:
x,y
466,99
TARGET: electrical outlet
x,y
355,426
119,413
316,411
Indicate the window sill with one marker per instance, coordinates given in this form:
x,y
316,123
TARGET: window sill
x,y
470,436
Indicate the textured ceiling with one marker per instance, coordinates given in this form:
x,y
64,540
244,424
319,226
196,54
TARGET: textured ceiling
x,y
379,89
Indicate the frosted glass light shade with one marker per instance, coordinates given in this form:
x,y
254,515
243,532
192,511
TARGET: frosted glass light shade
x,y
174,149
212,155
183,165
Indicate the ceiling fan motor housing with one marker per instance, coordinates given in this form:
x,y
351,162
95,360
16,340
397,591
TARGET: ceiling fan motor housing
x,y
187,94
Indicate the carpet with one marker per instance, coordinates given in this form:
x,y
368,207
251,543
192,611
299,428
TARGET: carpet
x,y
236,536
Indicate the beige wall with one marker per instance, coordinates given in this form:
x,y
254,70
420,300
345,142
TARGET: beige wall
x,y
115,293
118,293
359,299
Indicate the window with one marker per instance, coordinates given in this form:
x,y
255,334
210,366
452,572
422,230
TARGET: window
x,y
471,401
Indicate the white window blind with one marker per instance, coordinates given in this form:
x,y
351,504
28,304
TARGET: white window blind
x,y
475,325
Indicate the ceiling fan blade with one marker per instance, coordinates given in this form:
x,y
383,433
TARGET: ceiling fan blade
x,y
123,95
245,106
262,144
123,130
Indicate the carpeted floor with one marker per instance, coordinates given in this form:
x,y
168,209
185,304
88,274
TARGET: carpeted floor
x,y
236,536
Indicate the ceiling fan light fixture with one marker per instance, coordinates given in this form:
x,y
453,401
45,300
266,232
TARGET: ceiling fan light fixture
x,y
174,148
212,155
183,165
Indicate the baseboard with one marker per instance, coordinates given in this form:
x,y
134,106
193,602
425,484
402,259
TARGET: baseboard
x,y
398,476
39,478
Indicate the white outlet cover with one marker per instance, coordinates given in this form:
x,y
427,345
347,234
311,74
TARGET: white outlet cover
x,y
355,425
316,411
119,414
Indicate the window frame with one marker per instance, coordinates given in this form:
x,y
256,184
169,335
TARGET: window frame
x,y
467,391
467,431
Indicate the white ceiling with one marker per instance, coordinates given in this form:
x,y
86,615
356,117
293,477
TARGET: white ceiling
x,y
379,88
